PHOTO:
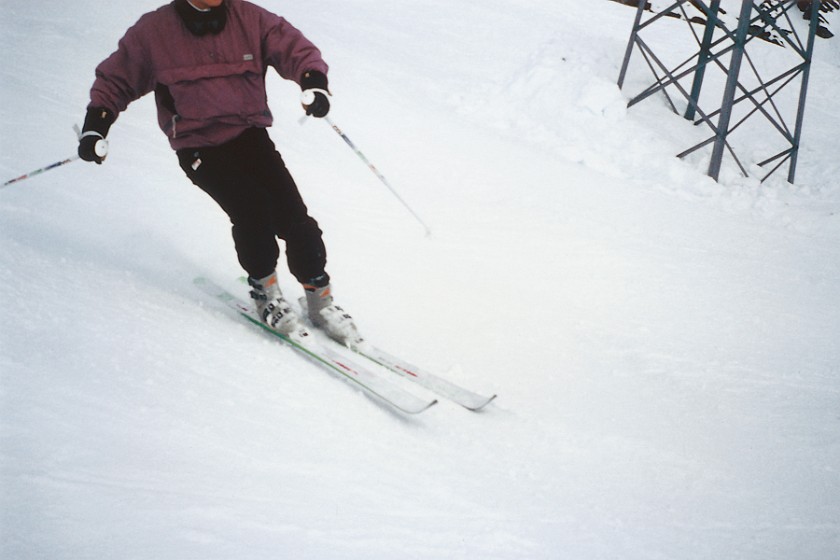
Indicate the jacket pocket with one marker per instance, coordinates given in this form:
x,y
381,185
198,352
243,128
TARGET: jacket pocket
x,y
217,91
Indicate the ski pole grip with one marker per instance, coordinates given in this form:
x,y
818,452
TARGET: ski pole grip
x,y
307,96
101,146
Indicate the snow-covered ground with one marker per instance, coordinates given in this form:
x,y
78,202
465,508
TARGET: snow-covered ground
x,y
666,349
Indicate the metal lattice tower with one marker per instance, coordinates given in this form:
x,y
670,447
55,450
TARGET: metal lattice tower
x,y
725,48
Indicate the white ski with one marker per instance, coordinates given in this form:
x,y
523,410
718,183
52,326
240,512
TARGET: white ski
x,y
370,382
438,385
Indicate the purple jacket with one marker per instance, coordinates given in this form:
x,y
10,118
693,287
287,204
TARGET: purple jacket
x,y
207,89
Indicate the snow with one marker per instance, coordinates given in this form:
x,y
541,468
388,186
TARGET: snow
x,y
665,348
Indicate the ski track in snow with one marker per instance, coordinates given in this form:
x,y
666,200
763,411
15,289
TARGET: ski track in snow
x,y
665,348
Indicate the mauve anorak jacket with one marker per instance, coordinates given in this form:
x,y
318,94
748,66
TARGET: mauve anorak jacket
x,y
208,89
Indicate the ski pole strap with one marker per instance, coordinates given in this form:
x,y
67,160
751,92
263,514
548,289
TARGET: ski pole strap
x,y
307,96
90,133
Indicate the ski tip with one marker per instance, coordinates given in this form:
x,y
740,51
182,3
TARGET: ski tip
x,y
423,409
431,404
482,405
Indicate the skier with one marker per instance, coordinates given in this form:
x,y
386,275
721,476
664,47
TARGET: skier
x,y
206,61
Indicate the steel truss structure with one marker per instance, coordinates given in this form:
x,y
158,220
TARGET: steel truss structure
x,y
726,48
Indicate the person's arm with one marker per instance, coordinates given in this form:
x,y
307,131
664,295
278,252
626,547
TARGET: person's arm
x,y
296,58
120,79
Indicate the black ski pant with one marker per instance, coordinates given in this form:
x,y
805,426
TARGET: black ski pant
x,y
249,180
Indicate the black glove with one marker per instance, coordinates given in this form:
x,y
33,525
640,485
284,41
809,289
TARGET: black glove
x,y
92,143
315,91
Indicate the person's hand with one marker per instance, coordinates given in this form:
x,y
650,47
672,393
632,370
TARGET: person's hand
x,y
315,94
315,102
93,146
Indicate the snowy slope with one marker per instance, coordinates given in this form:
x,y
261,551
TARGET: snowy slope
x,y
665,348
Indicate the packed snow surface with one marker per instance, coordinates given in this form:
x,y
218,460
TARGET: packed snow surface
x,y
666,349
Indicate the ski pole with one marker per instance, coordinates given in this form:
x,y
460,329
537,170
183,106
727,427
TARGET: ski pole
x,y
37,171
378,174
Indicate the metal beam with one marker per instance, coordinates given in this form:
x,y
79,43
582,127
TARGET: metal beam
x,y
727,53
729,91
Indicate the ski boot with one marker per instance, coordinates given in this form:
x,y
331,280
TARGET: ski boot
x,y
327,316
274,310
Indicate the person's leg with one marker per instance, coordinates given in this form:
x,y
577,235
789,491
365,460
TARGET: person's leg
x,y
227,177
226,173
306,254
